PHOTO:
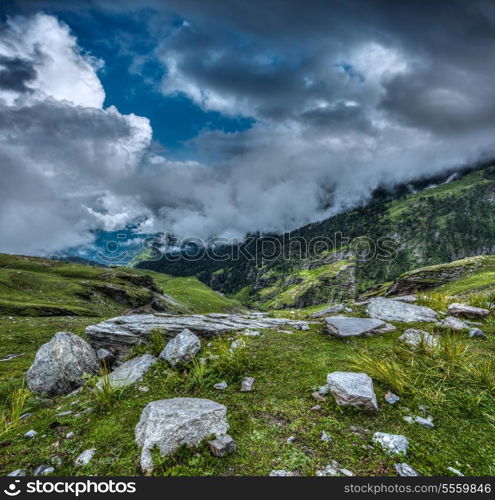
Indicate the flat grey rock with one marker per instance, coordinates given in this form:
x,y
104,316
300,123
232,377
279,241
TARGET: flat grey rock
x,y
182,348
415,338
130,372
453,323
465,311
394,444
123,332
395,310
60,364
425,422
221,386
43,470
168,424
476,333
405,470
30,434
344,326
391,398
353,389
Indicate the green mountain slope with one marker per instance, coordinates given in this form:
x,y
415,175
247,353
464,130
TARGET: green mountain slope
x,y
435,225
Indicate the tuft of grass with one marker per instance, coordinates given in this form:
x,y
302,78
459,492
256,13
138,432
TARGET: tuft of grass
x,y
387,370
453,349
103,392
435,300
482,372
157,341
9,416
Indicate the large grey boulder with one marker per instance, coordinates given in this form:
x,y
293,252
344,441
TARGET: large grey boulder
x,y
182,348
170,423
394,444
395,310
415,338
466,311
344,326
60,364
130,372
354,389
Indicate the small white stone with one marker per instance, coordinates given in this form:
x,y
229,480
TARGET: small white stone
x,y
85,457
30,434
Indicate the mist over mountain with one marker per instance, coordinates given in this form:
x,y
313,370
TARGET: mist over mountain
x,y
252,126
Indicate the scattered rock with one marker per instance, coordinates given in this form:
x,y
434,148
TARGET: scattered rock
x,y
324,390
453,323
251,333
182,348
302,326
315,408
408,419
24,416
64,413
282,473
405,470
476,333
334,309
221,386
30,434
455,471
60,364
143,388
222,446
405,298
334,469
466,311
43,470
395,310
237,344
85,457
130,372
391,398
247,384
344,326
425,422
69,435
318,397
170,423
291,439
17,473
355,389
416,338
326,438
391,443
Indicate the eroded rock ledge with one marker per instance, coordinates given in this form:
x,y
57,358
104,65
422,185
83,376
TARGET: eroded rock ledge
x,y
121,333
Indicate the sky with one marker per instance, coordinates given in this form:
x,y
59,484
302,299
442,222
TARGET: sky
x,y
218,118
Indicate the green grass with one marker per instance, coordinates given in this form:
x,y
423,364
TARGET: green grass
x,y
287,369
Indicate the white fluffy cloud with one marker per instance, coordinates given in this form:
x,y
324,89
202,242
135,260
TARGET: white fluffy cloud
x,y
60,150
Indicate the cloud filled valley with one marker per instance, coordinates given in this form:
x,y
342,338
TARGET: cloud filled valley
x,y
344,104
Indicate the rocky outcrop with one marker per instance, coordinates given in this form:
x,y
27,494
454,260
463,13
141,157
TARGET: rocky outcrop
x,y
60,364
344,326
353,389
130,372
170,423
430,277
395,310
466,311
123,332
182,348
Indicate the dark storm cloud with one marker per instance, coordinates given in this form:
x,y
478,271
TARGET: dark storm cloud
x,y
16,73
